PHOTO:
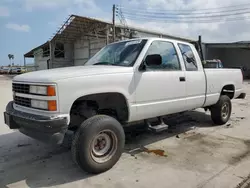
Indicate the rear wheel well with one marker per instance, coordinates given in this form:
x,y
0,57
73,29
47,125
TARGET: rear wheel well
x,y
112,104
228,90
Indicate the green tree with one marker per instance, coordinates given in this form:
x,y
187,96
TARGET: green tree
x,y
11,57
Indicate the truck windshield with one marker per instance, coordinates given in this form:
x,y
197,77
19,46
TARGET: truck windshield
x,y
118,54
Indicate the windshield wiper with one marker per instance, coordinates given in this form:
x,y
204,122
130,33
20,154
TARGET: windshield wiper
x,y
107,63
101,63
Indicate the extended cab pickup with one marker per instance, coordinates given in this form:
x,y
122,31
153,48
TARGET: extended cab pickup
x,y
125,82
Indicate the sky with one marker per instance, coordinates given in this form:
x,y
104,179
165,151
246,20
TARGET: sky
x,y
25,24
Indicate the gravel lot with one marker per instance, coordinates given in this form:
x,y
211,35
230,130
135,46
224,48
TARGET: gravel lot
x,y
197,154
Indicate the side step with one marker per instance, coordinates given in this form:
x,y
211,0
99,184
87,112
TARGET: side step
x,y
157,128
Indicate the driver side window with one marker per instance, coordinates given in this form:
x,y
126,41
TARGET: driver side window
x,y
168,55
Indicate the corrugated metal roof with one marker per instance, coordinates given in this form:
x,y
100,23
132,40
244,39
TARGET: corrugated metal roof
x,y
75,26
30,54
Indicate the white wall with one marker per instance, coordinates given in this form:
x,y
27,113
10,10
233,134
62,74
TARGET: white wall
x,y
40,62
96,45
81,51
85,48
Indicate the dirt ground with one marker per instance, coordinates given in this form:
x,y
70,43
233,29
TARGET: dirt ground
x,y
196,154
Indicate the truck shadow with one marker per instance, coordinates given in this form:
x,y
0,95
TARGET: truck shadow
x,y
23,159
137,137
30,163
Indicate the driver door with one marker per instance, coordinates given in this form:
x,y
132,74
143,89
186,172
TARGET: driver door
x,y
160,90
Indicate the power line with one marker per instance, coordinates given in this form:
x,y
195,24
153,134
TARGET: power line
x,y
218,20
187,17
182,13
166,16
181,10
123,21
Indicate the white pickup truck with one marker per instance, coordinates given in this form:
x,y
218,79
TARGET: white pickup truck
x,y
124,83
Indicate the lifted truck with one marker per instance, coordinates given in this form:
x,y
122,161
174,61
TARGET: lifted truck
x,y
125,82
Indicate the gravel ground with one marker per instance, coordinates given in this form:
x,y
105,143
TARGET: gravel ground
x,y
196,154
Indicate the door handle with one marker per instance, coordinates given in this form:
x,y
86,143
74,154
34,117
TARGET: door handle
x,y
182,79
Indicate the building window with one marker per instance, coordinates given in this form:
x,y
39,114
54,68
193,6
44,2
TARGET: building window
x,y
59,50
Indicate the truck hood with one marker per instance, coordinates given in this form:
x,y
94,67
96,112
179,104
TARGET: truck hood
x,y
53,75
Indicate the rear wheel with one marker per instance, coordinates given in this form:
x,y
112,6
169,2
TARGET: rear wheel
x,y
98,144
221,111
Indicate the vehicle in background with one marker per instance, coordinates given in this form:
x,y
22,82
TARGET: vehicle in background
x,y
5,70
213,64
22,70
127,82
13,70
17,70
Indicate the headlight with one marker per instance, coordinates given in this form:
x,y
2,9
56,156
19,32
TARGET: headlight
x,y
39,104
43,90
45,105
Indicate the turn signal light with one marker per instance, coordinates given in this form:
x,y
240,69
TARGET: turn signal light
x,y
51,91
52,106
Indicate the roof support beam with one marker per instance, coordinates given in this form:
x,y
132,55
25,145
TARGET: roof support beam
x,y
107,34
51,47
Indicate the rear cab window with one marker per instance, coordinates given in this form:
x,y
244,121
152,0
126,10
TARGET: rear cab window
x,y
188,57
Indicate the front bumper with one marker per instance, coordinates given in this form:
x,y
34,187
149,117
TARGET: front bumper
x,y
43,128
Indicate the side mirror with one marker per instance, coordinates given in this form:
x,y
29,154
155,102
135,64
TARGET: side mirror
x,y
153,60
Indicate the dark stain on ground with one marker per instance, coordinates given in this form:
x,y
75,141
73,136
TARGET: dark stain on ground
x,y
195,137
49,155
23,145
241,117
158,152
243,104
209,143
238,158
204,140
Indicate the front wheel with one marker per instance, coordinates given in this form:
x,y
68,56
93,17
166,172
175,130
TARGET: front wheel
x,y
221,111
98,144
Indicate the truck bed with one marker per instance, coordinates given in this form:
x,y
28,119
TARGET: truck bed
x,y
218,78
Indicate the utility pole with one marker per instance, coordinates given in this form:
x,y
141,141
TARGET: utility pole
x,y
113,21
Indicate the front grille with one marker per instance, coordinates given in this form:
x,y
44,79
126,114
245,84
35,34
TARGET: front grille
x,y
20,88
22,101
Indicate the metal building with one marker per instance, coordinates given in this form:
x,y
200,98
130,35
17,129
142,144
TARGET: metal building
x,y
80,38
232,55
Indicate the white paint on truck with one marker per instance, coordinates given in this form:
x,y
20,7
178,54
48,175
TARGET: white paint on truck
x,y
149,93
